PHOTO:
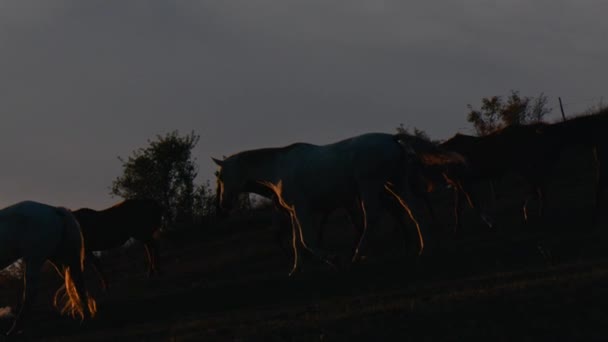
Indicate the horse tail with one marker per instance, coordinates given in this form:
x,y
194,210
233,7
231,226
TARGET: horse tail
x,y
70,298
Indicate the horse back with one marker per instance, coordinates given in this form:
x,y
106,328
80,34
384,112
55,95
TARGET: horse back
x,y
112,227
338,170
29,229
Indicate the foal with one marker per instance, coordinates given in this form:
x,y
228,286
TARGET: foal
x,y
112,227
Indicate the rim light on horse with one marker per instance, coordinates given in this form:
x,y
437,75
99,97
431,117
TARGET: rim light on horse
x,y
36,233
308,180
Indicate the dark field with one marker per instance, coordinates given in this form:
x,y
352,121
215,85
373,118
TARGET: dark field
x,y
545,280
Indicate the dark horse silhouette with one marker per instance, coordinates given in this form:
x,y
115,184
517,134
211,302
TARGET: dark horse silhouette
x,y
38,232
309,180
110,228
439,170
422,155
589,131
528,150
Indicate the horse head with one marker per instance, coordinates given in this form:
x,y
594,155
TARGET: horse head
x,y
229,185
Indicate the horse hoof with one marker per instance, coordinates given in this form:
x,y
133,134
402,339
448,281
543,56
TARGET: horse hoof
x,y
14,330
293,272
359,259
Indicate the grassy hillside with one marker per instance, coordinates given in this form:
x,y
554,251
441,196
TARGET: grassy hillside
x,y
545,280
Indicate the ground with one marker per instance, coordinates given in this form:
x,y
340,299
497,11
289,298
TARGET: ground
x,y
228,281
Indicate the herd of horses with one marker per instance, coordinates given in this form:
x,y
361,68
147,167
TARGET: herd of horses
x,y
365,175
37,232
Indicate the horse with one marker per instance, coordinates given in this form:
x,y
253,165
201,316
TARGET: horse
x,y
112,227
429,171
589,131
354,212
306,181
524,149
439,167
37,232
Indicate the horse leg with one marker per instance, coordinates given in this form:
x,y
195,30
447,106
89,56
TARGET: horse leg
x,y
290,212
294,241
321,233
599,156
30,287
367,207
535,191
280,221
524,207
493,192
84,305
429,205
422,192
357,220
465,192
307,222
96,262
402,203
152,252
457,209
540,195
457,188
599,196
370,209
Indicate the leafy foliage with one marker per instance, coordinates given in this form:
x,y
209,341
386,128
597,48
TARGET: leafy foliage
x,y
204,201
164,171
496,112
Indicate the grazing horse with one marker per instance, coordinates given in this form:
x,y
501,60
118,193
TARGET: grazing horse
x,y
112,227
36,233
308,181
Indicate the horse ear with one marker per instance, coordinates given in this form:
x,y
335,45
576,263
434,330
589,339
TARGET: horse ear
x,y
218,162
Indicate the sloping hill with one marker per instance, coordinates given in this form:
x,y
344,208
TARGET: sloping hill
x,y
228,281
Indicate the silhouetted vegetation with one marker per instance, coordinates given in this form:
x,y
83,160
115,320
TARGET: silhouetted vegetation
x,y
204,201
599,107
165,171
497,113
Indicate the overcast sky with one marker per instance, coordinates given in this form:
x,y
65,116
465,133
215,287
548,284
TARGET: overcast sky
x,y
82,82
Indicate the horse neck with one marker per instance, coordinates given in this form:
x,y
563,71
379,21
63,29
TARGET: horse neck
x,y
264,169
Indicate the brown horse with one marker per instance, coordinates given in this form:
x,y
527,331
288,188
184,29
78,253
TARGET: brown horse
x,y
528,150
431,178
110,228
